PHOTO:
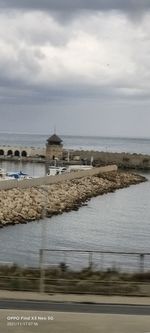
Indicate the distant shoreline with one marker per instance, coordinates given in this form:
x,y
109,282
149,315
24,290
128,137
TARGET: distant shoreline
x,y
78,136
98,143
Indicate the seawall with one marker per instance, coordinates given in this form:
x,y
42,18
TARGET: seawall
x,y
24,204
122,160
47,180
38,154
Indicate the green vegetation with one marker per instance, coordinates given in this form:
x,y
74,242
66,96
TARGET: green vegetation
x,y
63,280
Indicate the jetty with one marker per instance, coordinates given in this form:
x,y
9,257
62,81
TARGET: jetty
x,y
33,199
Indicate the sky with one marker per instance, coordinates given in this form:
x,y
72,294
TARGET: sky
x,y
82,66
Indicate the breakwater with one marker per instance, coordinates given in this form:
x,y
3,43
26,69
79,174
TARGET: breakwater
x,y
122,160
38,181
20,205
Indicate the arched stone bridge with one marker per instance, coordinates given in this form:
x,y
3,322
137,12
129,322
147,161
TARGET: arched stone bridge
x,y
20,151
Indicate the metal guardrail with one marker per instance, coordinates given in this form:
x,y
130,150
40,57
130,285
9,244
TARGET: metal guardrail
x,y
90,259
91,253
89,279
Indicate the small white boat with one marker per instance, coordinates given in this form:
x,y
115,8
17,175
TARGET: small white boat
x,y
54,171
79,167
57,170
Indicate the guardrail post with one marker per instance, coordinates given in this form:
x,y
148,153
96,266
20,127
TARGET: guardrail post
x,y
141,263
90,260
102,262
42,271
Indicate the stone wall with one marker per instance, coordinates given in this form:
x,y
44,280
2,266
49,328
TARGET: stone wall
x,y
48,180
6,150
123,160
21,205
54,151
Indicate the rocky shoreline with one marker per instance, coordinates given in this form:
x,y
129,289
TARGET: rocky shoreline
x,y
24,205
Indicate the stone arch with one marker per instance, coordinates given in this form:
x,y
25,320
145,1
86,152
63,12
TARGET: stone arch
x,y
17,153
9,153
1,152
24,153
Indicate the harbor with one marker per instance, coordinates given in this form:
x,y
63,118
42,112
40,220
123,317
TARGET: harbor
x,y
75,166
70,220
131,154
115,221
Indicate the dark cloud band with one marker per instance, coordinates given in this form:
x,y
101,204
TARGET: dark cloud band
x,y
73,5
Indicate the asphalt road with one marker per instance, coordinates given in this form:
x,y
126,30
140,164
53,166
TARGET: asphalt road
x,y
123,309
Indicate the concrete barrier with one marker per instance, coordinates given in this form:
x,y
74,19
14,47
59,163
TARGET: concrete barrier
x,y
48,180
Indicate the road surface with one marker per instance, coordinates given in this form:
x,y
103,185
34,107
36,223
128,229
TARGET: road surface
x,y
104,308
26,316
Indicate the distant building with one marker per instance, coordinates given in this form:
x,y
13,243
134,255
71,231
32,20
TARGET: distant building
x,y
54,148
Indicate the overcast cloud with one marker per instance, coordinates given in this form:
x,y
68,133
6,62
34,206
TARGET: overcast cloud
x,y
71,5
75,64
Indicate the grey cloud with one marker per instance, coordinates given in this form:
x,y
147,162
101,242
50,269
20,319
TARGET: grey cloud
x,y
77,5
19,93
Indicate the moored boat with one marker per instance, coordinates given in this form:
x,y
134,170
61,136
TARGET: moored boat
x,y
79,167
19,175
58,170
54,170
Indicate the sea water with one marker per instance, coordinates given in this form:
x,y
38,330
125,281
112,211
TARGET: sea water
x,y
131,145
117,221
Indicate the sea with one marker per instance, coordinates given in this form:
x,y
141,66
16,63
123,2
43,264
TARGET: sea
x,y
114,223
131,145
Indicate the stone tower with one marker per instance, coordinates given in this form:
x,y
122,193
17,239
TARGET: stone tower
x,y
54,148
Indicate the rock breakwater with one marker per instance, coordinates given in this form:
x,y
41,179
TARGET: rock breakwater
x,y
24,205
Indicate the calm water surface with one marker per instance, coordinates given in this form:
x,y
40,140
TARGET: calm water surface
x,y
32,169
117,221
131,145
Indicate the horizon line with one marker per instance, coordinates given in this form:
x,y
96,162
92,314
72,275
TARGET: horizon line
x,y
79,135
